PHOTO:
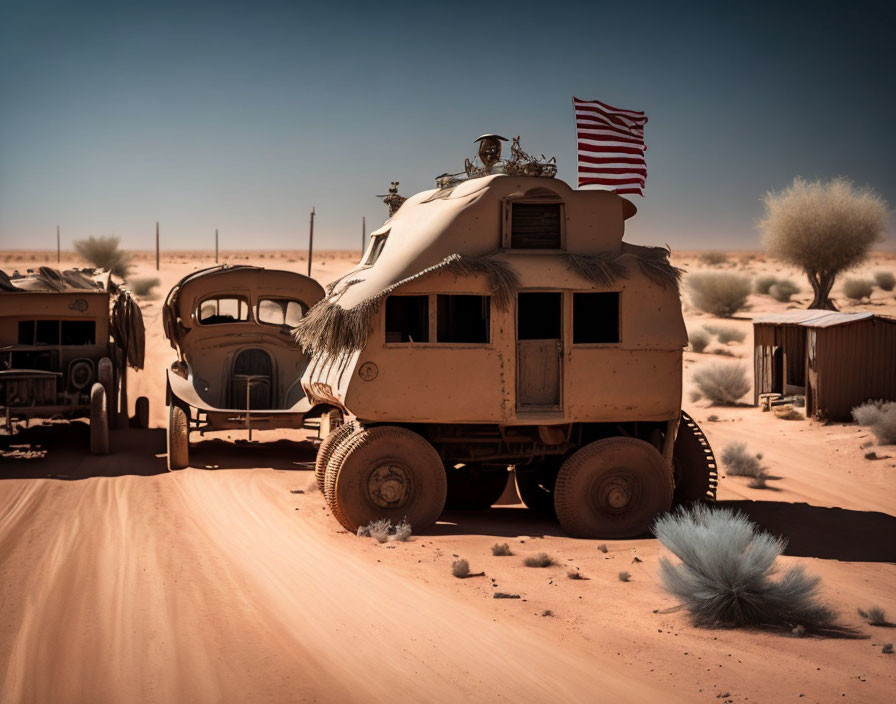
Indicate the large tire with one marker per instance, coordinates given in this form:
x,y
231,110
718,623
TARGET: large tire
x,y
386,472
99,420
178,437
535,484
105,375
327,448
474,488
141,412
696,470
612,488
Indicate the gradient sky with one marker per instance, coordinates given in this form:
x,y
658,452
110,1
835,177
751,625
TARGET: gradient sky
x,y
242,115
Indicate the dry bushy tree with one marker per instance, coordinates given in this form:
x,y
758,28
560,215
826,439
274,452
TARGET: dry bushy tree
x,y
823,228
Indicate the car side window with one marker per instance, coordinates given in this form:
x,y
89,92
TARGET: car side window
x,y
225,309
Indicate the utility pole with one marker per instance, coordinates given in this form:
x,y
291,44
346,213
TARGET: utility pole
x,y
310,241
58,246
363,233
216,245
157,245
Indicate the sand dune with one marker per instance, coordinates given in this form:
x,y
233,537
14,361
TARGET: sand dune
x,y
122,582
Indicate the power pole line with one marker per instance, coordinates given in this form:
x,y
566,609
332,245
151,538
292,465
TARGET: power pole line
x,y
363,233
216,245
157,245
58,246
310,240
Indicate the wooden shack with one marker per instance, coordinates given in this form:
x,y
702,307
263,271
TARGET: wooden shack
x,y
837,360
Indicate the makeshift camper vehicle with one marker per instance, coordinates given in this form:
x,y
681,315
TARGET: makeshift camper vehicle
x,y
237,364
66,339
497,321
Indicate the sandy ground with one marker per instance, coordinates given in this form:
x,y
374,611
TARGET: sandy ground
x,y
229,581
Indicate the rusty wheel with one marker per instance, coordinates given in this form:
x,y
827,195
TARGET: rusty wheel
x,y
612,488
178,437
327,448
386,472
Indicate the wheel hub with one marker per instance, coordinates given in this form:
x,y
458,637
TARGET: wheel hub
x,y
389,485
615,493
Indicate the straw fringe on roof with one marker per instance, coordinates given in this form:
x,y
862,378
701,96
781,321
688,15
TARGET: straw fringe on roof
x,y
329,331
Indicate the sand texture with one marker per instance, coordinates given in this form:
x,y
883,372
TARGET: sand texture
x,y
230,581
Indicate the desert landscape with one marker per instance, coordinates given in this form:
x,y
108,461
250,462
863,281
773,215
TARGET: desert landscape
x,y
230,581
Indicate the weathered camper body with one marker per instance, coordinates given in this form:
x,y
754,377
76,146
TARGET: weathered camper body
x,y
836,360
237,366
503,321
66,338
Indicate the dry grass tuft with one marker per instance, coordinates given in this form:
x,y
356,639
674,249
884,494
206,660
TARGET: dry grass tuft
x,y
713,258
726,333
542,559
103,252
885,280
875,616
625,576
857,289
460,568
720,293
143,286
575,574
763,284
722,384
880,417
501,550
382,530
698,339
726,569
741,463
783,290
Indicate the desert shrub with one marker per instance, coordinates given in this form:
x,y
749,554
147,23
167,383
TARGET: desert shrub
x,y
460,568
719,293
382,530
764,283
724,578
857,289
402,531
823,228
880,418
741,463
783,290
885,280
542,559
712,258
722,384
726,333
501,550
625,576
575,574
103,252
699,339
875,616
144,285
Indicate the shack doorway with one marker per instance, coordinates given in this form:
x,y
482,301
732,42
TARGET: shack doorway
x,y
778,370
539,344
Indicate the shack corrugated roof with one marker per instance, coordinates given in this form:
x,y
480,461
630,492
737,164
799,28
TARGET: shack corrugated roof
x,y
813,318
49,280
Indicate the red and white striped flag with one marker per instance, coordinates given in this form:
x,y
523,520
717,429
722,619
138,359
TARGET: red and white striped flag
x,y
611,147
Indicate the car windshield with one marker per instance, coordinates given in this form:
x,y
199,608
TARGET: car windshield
x,y
280,311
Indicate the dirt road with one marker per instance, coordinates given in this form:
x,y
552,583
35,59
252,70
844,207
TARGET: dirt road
x,y
122,582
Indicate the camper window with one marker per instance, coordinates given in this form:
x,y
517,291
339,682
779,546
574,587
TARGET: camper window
x,y
55,332
377,242
280,311
407,319
595,317
462,318
536,225
229,309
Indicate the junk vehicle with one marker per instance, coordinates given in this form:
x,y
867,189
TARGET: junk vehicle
x,y
237,364
66,339
496,320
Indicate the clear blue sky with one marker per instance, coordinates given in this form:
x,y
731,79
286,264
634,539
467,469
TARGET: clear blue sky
x,y
243,115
